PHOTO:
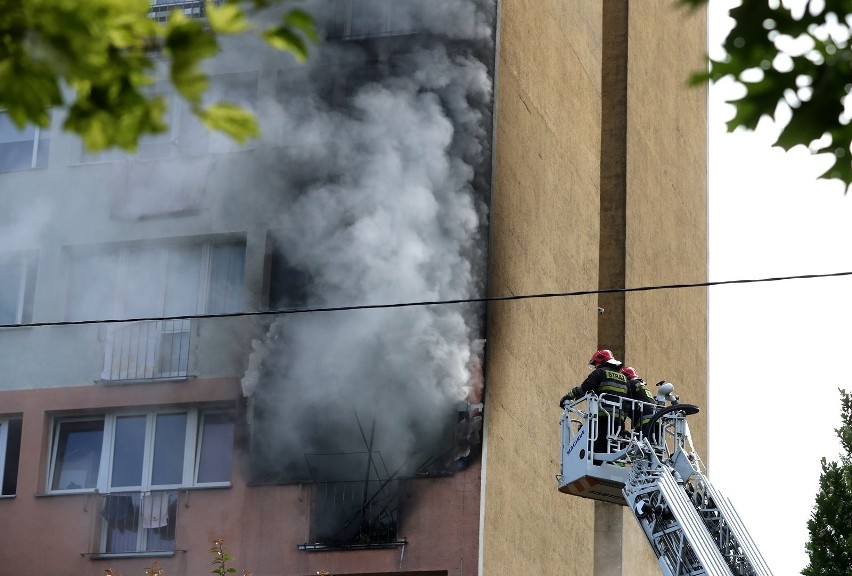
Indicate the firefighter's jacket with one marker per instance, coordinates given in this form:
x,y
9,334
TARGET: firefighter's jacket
x,y
640,414
606,380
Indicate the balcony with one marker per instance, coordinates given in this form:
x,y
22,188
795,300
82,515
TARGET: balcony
x,y
147,350
136,523
354,515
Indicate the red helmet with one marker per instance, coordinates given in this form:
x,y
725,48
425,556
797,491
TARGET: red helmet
x,y
600,357
630,372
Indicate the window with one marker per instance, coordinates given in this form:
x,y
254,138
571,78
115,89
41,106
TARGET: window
x,y
160,9
286,285
10,453
17,283
150,281
138,460
22,149
142,450
355,19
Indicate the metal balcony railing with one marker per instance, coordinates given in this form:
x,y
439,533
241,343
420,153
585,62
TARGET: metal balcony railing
x,y
354,515
136,523
147,350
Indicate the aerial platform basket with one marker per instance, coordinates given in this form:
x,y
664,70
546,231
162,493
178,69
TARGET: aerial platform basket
x,y
602,476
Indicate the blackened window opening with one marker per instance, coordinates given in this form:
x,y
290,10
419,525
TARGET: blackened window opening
x,y
354,514
13,456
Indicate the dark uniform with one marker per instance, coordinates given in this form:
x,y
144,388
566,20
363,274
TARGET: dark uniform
x,y
609,383
641,413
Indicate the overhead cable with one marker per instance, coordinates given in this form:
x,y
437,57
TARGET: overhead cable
x,y
484,299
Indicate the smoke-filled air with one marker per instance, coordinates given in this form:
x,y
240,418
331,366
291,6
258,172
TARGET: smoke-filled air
x,y
383,191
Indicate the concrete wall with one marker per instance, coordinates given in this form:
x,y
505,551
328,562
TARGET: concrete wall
x,y
600,182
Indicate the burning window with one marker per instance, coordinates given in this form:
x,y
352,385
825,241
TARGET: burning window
x,y
10,453
22,149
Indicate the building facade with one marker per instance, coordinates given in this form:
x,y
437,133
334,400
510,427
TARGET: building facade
x,y
202,341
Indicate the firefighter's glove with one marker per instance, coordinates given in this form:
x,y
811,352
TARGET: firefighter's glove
x,y
572,394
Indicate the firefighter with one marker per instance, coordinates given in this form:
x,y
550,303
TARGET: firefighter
x,y
640,414
607,381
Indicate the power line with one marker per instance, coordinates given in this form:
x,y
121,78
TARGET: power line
x,y
484,299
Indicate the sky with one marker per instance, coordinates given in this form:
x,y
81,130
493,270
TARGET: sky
x,y
779,351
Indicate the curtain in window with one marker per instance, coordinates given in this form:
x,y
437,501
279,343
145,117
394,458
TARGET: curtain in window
x,y
227,270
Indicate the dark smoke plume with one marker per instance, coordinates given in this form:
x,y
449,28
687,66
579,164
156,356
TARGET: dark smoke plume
x,y
383,162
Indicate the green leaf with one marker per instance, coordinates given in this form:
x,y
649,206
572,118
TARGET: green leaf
x,y
234,121
286,40
301,20
226,19
99,49
189,43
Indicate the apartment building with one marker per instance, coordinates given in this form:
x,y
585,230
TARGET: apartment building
x,y
196,342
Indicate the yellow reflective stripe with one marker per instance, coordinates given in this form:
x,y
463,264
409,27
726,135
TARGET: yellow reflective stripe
x,y
613,388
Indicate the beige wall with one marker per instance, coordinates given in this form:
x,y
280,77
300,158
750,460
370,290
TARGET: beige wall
x,y
545,237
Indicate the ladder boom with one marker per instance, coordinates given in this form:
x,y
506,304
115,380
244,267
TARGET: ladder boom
x,y
691,527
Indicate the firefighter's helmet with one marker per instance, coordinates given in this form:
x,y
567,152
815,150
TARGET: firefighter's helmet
x,y
630,372
600,357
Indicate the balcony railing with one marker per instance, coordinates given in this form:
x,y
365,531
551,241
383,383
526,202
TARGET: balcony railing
x,y
354,515
147,350
136,523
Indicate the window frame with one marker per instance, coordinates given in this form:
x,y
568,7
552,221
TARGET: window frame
x,y
120,256
195,417
384,25
38,141
54,448
5,424
26,262
213,268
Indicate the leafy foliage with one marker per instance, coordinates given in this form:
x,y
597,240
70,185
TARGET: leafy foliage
x,y
830,527
94,57
221,559
799,60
